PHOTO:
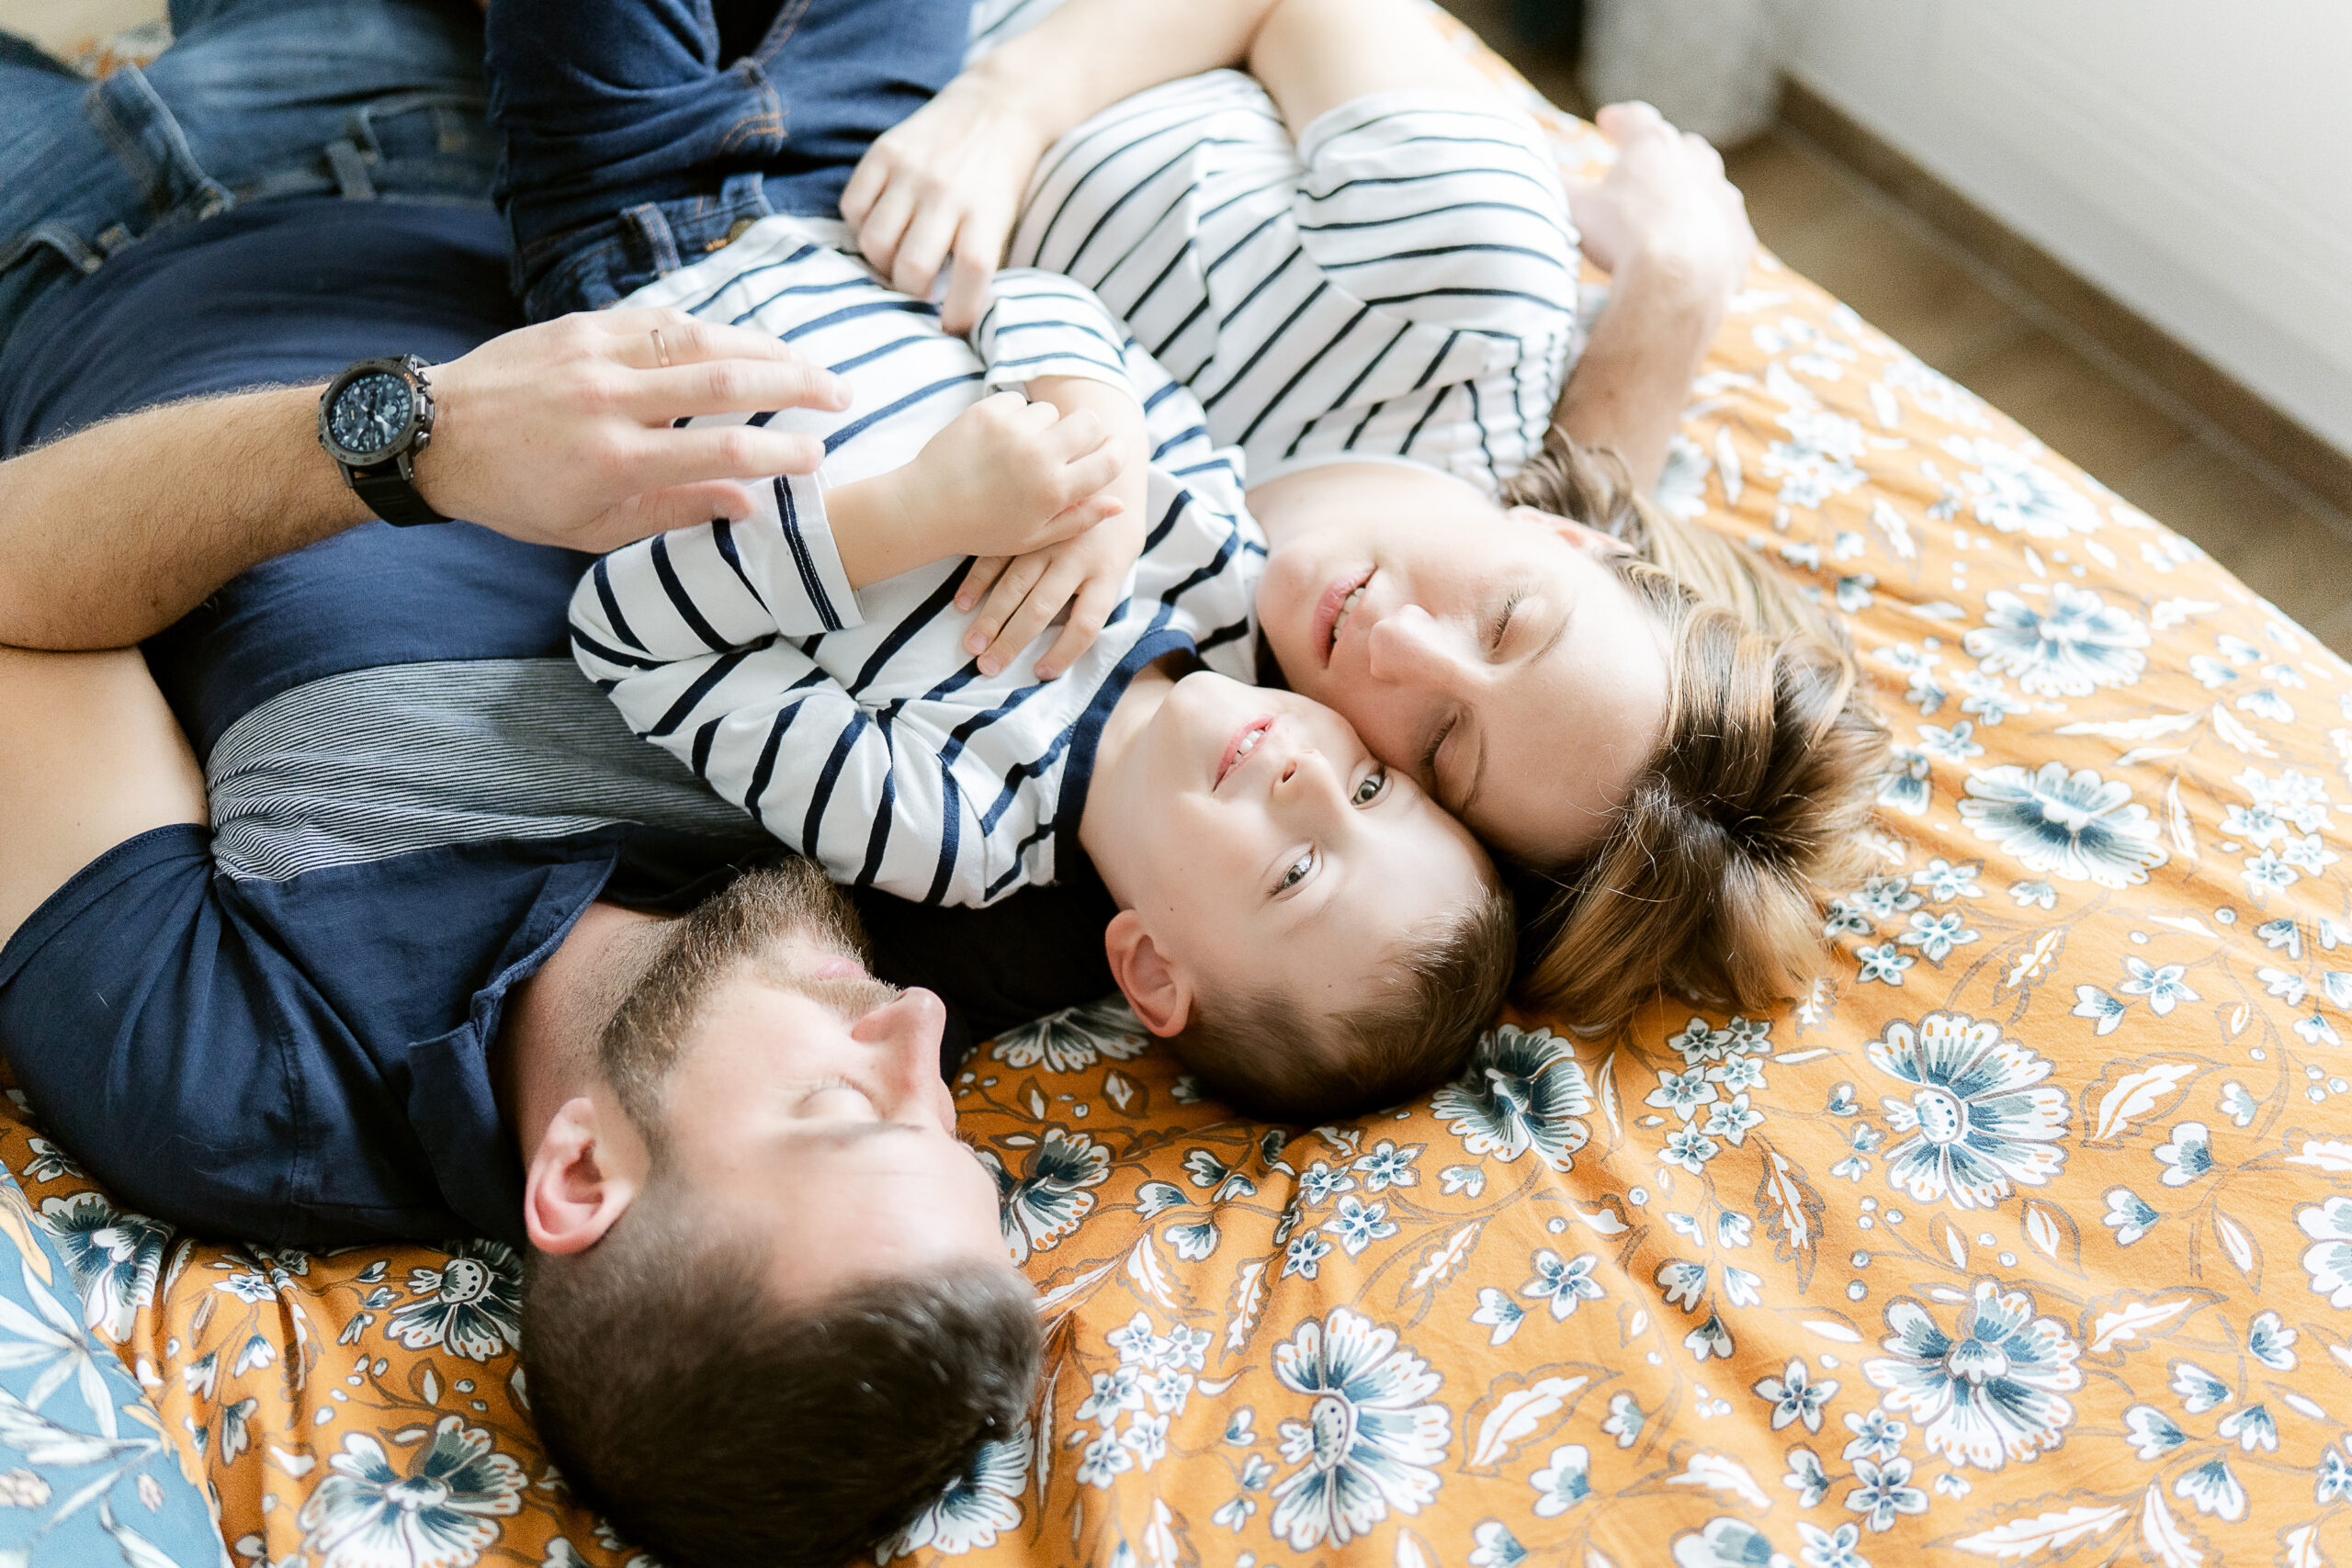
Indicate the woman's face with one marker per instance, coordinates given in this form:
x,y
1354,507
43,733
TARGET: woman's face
x,y
1494,654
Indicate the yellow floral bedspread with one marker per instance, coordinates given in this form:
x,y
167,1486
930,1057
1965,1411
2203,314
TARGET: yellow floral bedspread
x,y
2026,1237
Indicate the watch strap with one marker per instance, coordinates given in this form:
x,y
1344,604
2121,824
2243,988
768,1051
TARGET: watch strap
x,y
389,490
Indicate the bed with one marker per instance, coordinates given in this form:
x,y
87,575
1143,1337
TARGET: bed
x,y
2025,1238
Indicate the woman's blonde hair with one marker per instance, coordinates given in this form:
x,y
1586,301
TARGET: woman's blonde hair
x,y
1709,879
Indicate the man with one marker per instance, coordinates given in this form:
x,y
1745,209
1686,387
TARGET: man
x,y
352,910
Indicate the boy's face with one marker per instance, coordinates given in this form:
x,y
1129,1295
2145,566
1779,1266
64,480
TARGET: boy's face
x,y
1265,849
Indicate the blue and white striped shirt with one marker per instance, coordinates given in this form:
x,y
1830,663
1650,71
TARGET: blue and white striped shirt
x,y
1398,284
851,725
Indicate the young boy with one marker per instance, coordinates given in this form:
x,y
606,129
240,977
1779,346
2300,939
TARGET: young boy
x,y
1315,934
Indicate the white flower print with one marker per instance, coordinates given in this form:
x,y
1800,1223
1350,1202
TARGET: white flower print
x,y
1050,1197
2074,646
2293,798
1726,1542
1884,1491
2328,1260
1358,1225
1625,1420
1387,1166
470,1306
1885,962
2213,1489
1805,1477
1993,1389
1105,1459
442,1512
1522,1091
2034,895
1499,1313
2104,1011
1496,1547
1936,935
2151,1432
113,1257
2078,826
975,1507
1794,1397
1690,1148
2128,1215
1563,1482
2186,1155
1367,1444
1907,784
2269,1341
2200,1389
1564,1284
1982,1120
1940,880
1682,1093
1877,1435
2163,987
1831,1549
1074,1039
2012,493
2252,1426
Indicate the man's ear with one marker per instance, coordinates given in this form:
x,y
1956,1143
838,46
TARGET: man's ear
x,y
578,1179
1584,536
1154,986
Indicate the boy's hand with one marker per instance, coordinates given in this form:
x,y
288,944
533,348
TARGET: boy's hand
x,y
1005,477
1026,593
1665,205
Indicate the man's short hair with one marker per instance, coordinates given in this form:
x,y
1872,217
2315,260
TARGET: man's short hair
x,y
716,1426
711,1422
1265,1057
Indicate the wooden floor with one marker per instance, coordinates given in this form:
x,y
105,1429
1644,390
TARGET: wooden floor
x,y
1919,288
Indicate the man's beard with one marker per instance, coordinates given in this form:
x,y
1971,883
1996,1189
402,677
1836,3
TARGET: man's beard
x,y
745,927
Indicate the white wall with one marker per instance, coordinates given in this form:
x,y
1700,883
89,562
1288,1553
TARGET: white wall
x,y
2193,159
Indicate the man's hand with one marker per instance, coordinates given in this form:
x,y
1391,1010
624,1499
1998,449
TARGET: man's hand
x,y
1005,477
1086,574
1664,203
562,434
946,182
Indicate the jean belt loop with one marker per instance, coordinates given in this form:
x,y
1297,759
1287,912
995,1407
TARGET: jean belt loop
x,y
350,170
148,140
649,234
745,195
69,247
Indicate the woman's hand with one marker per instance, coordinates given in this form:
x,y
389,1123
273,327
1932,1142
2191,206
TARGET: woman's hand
x,y
1665,204
946,182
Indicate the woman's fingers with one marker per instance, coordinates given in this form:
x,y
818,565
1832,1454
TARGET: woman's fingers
x,y
969,282
886,225
921,253
658,512
978,578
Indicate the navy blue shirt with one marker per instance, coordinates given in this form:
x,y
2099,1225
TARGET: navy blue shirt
x,y
279,1027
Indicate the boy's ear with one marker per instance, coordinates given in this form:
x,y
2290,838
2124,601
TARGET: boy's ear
x,y
1154,986
575,1184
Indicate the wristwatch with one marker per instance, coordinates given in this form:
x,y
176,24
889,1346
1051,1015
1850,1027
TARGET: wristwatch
x,y
373,420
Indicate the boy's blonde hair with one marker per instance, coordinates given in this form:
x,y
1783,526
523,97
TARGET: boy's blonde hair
x,y
1267,1058
1709,879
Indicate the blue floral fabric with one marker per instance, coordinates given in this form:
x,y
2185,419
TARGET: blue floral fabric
x,y
88,1473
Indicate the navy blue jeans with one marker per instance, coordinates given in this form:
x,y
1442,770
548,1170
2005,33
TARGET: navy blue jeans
x,y
254,99
640,134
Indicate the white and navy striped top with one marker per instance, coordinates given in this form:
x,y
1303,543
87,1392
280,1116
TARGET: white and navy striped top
x,y
1399,284
851,725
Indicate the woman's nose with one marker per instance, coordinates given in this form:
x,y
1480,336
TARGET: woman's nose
x,y
1408,649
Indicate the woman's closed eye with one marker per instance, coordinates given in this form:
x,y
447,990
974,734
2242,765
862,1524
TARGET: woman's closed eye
x,y
1498,627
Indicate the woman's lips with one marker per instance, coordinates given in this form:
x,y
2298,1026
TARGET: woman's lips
x,y
1245,739
1327,609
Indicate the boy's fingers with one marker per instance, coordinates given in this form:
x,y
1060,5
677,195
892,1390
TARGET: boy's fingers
x,y
1043,603
1095,470
1003,601
1086,617
978,578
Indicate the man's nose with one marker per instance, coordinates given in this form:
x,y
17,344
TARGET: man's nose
x,y
1407,647
905,1033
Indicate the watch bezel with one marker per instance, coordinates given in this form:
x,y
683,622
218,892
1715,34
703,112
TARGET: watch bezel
x,y
420,414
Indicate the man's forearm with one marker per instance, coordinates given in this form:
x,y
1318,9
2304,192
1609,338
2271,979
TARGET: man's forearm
x,y
1632,382
114,533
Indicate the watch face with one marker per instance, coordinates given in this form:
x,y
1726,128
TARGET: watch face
x,y
371,414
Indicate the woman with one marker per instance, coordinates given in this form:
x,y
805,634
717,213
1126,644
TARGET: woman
x,y
1669,740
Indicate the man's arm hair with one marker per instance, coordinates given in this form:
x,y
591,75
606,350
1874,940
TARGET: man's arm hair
x,y
560,433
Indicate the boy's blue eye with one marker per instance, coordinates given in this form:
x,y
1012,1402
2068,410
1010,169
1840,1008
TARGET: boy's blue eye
x,y
1295,872
1370,789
